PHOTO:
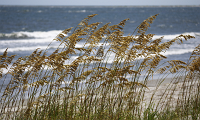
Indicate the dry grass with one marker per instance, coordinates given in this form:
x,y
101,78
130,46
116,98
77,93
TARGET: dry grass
x,y
89,87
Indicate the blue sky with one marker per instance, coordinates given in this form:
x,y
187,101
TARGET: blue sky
x,y
99,2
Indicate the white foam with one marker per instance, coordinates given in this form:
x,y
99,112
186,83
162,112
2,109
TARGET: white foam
x,y
35,34
77,11
25,41
177,51
31,48
41,39
43,34
172,36
161,25
39,11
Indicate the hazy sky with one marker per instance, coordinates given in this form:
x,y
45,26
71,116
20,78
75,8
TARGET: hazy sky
x,y
99,2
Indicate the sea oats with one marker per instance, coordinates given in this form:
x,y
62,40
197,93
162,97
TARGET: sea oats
x,y
56,86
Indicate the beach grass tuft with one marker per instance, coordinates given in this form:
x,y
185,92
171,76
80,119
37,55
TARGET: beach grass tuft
x,y
106,78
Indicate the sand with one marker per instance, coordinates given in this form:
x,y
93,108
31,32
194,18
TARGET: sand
x,y
162,93
169,92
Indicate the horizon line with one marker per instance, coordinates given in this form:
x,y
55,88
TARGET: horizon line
x,y
108,5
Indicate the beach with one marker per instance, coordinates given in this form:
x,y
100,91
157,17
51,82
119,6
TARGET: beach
x,y
98,69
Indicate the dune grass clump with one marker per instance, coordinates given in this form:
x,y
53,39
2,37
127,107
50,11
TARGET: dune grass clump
x,y
56,86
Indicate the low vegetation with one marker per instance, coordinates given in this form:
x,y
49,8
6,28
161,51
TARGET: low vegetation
x,y
56,86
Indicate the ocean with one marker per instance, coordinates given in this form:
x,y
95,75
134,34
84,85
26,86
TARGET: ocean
x,y
26,28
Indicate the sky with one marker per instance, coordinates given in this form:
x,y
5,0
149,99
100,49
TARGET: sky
x,y
100,2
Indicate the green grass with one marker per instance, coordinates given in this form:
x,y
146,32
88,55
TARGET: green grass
x,y
45,87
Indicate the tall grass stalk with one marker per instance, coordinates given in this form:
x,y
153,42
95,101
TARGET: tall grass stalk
x,y
92,87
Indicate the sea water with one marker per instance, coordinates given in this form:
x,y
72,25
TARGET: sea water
x,y
23,29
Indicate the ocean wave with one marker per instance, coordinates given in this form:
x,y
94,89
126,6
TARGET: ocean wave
x,y
54,33
172,36
177,51
30,48
13,36
77,11
41,39
28,35
24,41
